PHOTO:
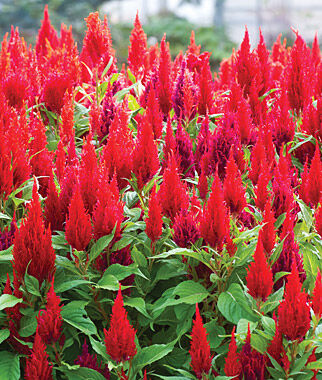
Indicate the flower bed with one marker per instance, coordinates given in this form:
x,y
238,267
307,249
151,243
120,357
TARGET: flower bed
x,y
160,221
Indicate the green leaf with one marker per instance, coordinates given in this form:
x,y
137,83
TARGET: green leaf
x,y
273,301
99,348
214,332
233,305
121,271
299,364
69,284
306,213
138,304
109,282
107,67
28,325
242,326
189,292
82,373
9,366
6,255
122,243
8,300
151,354
74,313
4,216
59,241
138,257
276,253
32,284
4,334
315,365
202,256
310,260
280,220
100,245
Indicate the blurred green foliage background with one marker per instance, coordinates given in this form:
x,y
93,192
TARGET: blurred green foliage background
x,y
27,15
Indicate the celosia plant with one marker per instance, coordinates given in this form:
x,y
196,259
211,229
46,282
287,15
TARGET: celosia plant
x,y
174,184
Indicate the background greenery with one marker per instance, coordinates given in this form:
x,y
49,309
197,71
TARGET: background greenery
x,y
27,15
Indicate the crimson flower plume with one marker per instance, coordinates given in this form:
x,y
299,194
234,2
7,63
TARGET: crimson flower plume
x,y
294,311
119,338
200,349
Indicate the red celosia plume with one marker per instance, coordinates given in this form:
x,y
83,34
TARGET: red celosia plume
x,y
119,338
200,349
259,275
32,245
294,312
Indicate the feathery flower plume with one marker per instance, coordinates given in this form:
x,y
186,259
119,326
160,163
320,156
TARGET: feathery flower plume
x,y
15,89
46,35
258,159
234,191
200,349
282,189
294,311
66,131
173,195
193,48
85,359
261,191
153,114
55,86
311,121
276,348
317,296
313,186
289,254
318,220
185,229
6,172
119,338
50,320
37,366
253,363
299,78
203,141
232,364
169,145
184,151
79,229
97,47
60,161
164,88
154,219
40,158
214,223
145,154
137,49
108,210
222,142
117,154
54,218
259,274
206,91
203,185
88,175
281,124
32,245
